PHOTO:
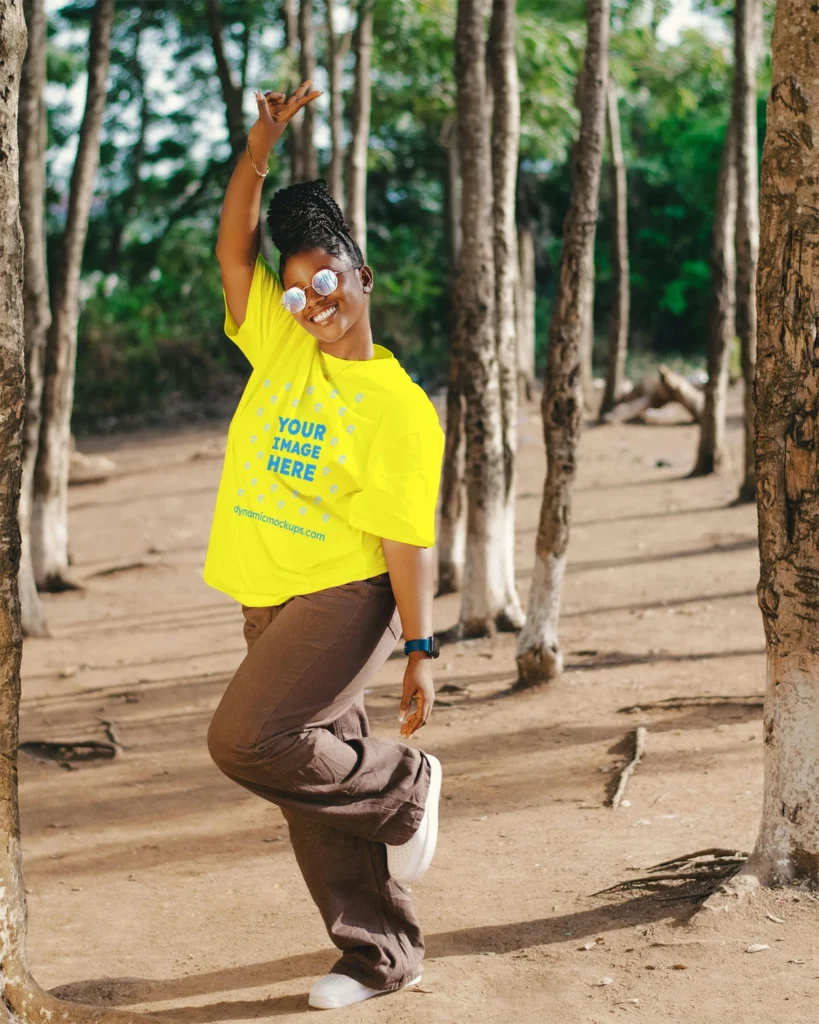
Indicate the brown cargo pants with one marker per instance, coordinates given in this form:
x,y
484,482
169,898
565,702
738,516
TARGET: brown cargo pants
x,y
291,727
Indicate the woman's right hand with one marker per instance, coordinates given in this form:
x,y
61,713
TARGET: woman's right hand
x,y
275,110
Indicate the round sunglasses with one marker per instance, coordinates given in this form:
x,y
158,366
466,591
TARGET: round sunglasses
x,y
324,282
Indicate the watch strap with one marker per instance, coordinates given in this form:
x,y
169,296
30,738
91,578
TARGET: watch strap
x,y
429,645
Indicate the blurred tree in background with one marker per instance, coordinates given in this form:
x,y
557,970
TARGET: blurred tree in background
x,y
151,343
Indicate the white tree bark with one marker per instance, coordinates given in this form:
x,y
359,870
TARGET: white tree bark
x,y
49,525
787,455
37,311
539,658
355,210
503,72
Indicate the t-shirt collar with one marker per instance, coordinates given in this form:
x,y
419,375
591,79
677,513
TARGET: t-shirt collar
x,y
380,355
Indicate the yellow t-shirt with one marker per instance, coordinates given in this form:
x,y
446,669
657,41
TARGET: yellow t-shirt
x,y
317,470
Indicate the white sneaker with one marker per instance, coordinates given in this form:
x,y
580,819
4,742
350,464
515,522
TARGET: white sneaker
x,y
336,990
411,859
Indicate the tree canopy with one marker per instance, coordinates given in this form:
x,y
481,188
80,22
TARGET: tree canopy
x,y
152,313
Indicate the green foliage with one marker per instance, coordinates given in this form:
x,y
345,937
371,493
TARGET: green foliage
x,y
151,325
157,340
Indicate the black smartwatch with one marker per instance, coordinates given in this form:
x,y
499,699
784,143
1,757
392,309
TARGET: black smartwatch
x,y
429,645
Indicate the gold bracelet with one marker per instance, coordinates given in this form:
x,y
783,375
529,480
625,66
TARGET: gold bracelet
x,y
253,162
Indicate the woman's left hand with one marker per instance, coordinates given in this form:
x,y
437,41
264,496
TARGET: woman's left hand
x,y
418,684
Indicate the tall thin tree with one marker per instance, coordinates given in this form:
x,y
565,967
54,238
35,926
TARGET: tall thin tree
x,y
585,299
231,89
290,18
307,66
746,18
21,998
37,310
484,600
539,655
502,69
787,455
451,537
618,328
712,454
355,208
525,292
337,47
122,207
49,524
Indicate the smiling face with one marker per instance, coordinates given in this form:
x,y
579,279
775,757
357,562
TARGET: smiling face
x,y
328,317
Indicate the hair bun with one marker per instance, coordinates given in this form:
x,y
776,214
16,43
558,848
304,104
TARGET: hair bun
x,y
305,216
294,210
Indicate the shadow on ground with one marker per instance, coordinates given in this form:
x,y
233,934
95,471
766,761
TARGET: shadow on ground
x,y
503,938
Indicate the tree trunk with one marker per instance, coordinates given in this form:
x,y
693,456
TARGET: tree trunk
x,y
618,330
49,526
585,300
355,208
502,69
13,392
525,312
712,454
787,455
231,92
525,293
307,66
483,605
452,194
747,236
31,132
335,56
452,522
539,656
293,135
21,999
123,207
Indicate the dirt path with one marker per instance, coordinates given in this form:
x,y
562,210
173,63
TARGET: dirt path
x,y
156,883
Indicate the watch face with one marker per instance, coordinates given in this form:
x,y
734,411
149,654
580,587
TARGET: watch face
x,y
436,647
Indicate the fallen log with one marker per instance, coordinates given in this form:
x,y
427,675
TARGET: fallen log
x,y
654,392
681,390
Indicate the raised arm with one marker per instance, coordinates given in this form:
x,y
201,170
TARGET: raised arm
x,y
238,243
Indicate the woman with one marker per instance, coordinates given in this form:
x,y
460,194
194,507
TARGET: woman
x,y
323,530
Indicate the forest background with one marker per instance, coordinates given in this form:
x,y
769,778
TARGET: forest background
x,y
151,347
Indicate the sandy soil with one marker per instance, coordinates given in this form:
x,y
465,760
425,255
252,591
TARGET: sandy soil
x,y
155,883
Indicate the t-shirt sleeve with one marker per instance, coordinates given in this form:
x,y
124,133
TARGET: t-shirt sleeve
x,y
400,493
266,319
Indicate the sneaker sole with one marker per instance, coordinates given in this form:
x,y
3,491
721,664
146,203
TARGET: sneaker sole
x,y
318,1005
433,799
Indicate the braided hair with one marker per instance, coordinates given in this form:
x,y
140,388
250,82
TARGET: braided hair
x,y
305,216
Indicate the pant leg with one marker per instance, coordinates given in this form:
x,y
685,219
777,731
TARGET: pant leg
x,y
272,731
368,915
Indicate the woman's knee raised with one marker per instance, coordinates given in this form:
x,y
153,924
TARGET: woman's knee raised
x,y
233,743
227,744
